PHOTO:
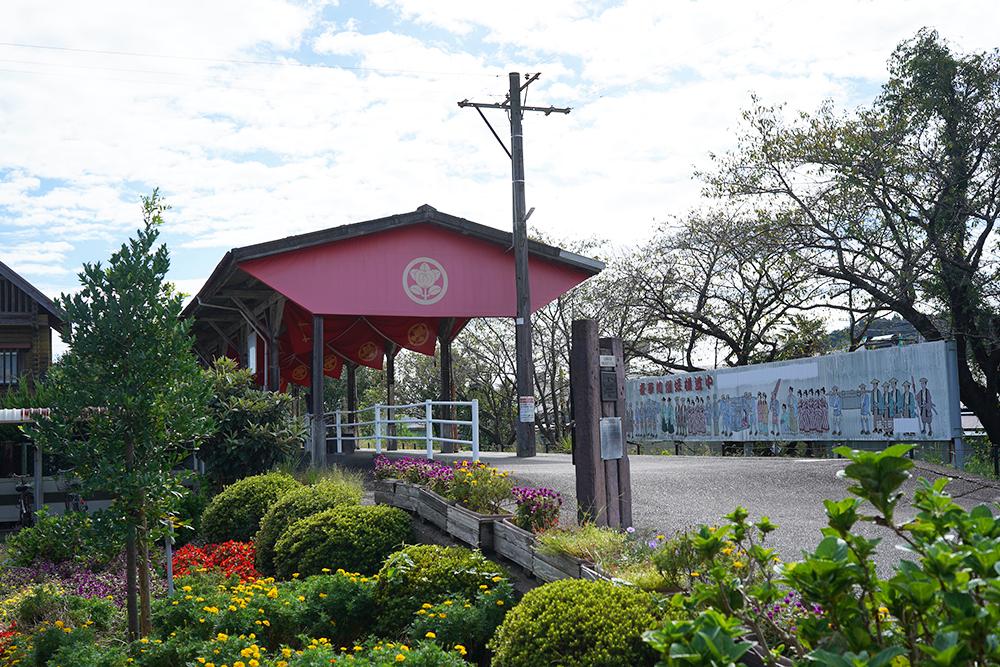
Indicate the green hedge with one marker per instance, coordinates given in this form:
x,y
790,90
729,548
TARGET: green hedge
x,y
577,622
235,514
354,538
299,504
428,574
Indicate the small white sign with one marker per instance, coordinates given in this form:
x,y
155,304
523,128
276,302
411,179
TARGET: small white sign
x,y
607,361
527,408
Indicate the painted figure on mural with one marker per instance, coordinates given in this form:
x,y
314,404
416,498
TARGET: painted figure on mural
x,y
775,415
761,413
926,408
908,409
866,409
892,400
823,404
878,406
793,411
667,415
836,410
783,429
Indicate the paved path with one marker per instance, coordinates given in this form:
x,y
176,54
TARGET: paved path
x,y
671,493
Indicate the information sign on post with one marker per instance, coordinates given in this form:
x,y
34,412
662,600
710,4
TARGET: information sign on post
x,y
526,411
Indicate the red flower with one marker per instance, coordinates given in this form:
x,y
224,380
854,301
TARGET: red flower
x,y
232,558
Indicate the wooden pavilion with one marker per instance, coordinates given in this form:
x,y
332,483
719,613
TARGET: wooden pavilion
x,y
303,307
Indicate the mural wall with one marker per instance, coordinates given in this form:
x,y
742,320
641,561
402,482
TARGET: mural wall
x,y
899,393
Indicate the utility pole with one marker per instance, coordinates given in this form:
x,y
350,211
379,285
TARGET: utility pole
x,y
522,323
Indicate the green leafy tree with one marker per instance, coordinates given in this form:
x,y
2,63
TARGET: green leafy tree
x,y
129,399
255,429
898,201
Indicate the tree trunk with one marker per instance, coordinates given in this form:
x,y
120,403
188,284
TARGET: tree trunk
x,y
145,610
130,557
130,584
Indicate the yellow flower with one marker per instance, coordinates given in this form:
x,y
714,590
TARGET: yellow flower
x,y
737,564
461,649
431,635
696,574
400,657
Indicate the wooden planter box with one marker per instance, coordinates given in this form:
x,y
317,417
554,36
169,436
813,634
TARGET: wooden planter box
x,y
385,491
473,528
433,508
552,567
514,543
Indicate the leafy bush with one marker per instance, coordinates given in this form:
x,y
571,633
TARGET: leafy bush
x,y
831,608
428,574
255,428
480,487
339,606
463,622
87,539
577,622
82,653
235,513
299,504
709,639
356,538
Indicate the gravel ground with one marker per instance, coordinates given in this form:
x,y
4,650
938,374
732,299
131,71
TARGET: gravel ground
x,y
671,493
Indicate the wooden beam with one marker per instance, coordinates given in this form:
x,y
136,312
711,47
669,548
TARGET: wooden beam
x,y
390,393
447,386
591,491
352,403
318,421
276,311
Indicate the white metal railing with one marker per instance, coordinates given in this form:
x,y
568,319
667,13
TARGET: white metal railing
x,y
410,422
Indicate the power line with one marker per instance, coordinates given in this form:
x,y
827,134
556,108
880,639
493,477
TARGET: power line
x,y
233,61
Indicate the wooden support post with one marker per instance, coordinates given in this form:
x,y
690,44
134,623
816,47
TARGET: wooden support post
x,y
618,473
390,395
275,313
317,409
447,386
591,491
352,406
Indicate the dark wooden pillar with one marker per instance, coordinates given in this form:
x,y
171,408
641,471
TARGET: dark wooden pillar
x,y
617,472
352,406
447,386
591,494
390,394
275,312
317,409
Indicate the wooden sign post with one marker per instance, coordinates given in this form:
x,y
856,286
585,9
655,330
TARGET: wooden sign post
x,y
597,381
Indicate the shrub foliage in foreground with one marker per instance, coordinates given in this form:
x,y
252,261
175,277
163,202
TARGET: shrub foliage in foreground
x,y
577,622
235,513
428,574
355,538
941,606
299,504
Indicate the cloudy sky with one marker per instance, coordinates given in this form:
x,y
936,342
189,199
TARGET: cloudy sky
x,y
263,118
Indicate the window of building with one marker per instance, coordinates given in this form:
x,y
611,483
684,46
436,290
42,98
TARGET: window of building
x,y
252,351
9,368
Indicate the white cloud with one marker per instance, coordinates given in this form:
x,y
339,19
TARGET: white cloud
x,y
247,153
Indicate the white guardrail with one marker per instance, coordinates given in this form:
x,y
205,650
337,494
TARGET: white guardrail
x,y
410,422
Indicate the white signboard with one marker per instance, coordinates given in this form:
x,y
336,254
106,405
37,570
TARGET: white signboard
x,y
902,393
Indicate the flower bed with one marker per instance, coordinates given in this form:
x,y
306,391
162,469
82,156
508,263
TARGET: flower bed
x,y
231,558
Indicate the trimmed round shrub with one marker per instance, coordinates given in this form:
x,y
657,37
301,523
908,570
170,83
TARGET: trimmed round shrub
x,y
428,574
577,622
235,513
353,538
299,504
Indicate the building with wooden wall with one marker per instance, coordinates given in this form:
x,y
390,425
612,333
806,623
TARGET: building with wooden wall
x,y
27,319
